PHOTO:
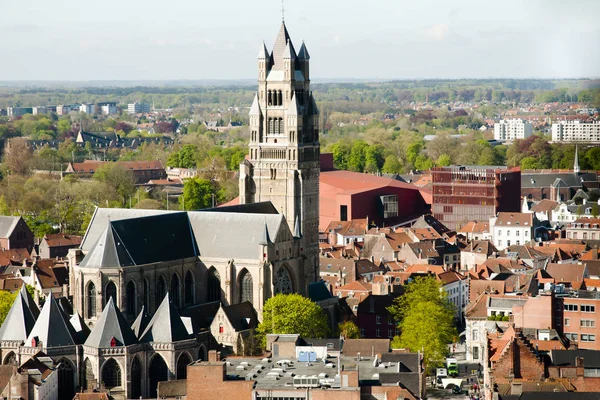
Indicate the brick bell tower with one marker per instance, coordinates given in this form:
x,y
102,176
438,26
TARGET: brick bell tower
x,y
283,164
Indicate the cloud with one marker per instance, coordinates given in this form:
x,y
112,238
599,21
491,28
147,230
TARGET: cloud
x,y
337,39
437,32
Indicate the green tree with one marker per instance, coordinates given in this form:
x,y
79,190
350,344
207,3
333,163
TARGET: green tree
x,y
592,157
197,194
391,165
444,160
6,300
349,330
117,177
293,313
186,157
529,163
356,160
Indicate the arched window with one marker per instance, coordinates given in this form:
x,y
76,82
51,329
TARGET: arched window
x,y
202,353
66,379
246,286
136,379
161,290
189,288
111,291
283,281
158,372
182,363
90,300
175,290
11,359
89,381
213,285
111,374
130,297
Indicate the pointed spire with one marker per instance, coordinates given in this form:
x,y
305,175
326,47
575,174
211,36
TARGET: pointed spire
x,y
29,301
80,327
263,53
52,327
293,107
166,325
303,53
525,206
18,322
140,323
265,240
297,232
111,325
279,47
255,108
314,110
576,169
289,52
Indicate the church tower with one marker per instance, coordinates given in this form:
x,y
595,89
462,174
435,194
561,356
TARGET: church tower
x,y
283,164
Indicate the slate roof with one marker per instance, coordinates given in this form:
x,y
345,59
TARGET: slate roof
x,y
143,240
52,327
317,291
140,323
111,324
591,358
365,347
409,361
409,380
80,327
166,325
303,53
60,239
214,230
242,316
19,321
7,225
546,180
202,315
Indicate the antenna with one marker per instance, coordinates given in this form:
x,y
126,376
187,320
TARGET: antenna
x,y
282,11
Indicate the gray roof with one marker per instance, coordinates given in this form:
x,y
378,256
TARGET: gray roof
x,y
255,108
52,327
505,303
242,316
303,53
263,53
409,362
111,324
20,320
409,380
80,327
141,322
591,358
214,231
166,325
202,315
29,301
529,180
7,225
280,45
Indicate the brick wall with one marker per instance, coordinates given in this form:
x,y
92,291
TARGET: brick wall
x,y
206,381
518,362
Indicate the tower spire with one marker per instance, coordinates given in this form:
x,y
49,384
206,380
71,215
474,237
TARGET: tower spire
x,y
282,11
576,169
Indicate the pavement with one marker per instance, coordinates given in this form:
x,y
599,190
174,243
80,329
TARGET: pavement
x,y
468,371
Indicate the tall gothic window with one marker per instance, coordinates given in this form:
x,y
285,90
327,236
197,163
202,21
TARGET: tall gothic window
x,y
161,290
90,300
111,374
283,281
246,286
189,288
281,130
213,285
175,290
158,372
66,379
136,379
182,363
271,128
88,375
111,291
130,298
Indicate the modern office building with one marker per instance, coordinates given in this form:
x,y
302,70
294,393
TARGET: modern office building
x,y
138,108
511,129
87,108
108,107
18,111
576,131
474,193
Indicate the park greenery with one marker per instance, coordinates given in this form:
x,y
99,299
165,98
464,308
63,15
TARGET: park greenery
x,y
378,127
348,330
426,320
293,314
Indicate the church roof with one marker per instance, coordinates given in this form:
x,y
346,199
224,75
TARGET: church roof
x,y
52,327
140,323
263,53
80,327
289,52
303,53
144,240
314,110
166,325
214,230
283,37
242,316
29,301
19,321
255,109
111,324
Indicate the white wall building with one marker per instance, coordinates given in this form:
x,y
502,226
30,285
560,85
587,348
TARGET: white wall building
x,y
63,109
137,108
576,131
87,108
512,228
511,129
109,108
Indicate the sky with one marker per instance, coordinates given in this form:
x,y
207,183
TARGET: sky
x,y
349,39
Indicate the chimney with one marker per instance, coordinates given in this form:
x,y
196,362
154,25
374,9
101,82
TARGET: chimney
x,y
214,356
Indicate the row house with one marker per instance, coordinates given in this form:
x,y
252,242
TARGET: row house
x,y
512,228
584,229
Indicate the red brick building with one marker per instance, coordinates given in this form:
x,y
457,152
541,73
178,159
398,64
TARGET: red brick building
x,y
467,193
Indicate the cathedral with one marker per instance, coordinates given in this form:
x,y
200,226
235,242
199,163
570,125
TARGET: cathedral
x,y
137,270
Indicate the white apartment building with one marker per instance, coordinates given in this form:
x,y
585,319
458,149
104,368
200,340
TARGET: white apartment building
x,y
512,228
511,129
138,108
39,110
87,108
109,108
576,131
63,109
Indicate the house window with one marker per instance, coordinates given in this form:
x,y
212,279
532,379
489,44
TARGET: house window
x,y
362,332
573,337
475,353
390,333
587,323
475,334
378,319
221,328
588,338
499,232
378,332
499,242
344,213
518,233
390,206
567,321
589,309
570,307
